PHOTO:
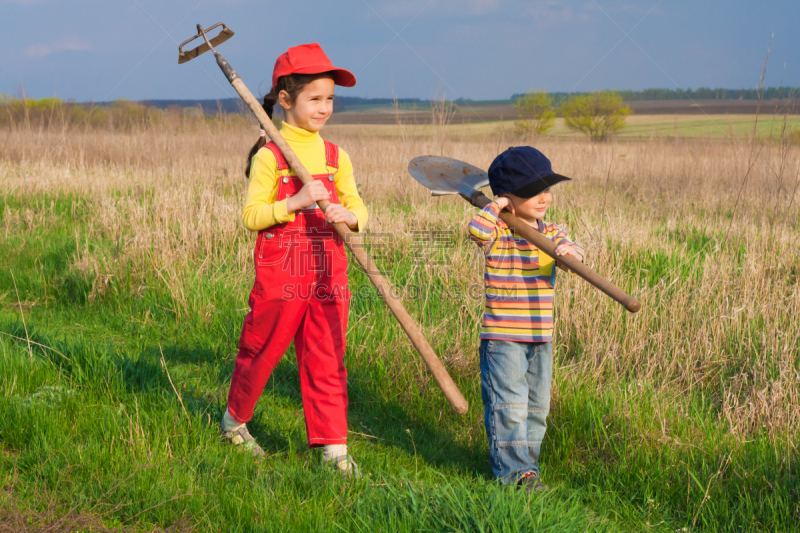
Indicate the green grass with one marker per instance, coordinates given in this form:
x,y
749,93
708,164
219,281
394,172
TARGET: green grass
x,y
113,409
637,127
729,126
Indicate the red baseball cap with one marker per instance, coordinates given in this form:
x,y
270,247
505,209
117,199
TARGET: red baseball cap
x,y
309,59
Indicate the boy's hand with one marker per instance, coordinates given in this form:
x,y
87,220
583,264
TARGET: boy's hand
x,y
311,193
336,213
505,203
566,249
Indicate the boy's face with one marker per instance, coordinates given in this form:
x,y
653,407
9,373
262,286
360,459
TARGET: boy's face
x,y
532,208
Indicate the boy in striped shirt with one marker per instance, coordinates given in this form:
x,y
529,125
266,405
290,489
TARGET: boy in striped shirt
x,y
517,327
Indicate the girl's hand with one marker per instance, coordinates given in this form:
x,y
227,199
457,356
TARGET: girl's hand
x,y
336,213
566,249
505,203
311,193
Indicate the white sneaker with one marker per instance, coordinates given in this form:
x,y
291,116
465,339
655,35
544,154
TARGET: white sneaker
x,y
344,464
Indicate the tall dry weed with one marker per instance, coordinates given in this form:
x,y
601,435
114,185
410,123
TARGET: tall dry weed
x,y
712,256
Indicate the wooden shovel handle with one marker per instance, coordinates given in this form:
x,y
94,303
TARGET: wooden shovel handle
x,y
530,234
356,246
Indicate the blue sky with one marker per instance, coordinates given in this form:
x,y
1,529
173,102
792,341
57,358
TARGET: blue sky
x,y
480,49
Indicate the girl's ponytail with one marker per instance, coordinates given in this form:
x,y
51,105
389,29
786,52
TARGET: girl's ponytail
x,y
269,103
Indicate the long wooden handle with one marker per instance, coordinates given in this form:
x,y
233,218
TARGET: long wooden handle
x,y
356,246
530,234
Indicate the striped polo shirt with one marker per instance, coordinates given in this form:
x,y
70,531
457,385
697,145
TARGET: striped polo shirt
x,y
519,281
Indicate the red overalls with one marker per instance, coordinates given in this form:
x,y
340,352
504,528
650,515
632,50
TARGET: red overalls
x,y
300,293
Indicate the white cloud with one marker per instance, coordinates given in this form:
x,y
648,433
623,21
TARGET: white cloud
x,y
482,6
69,42
446,7
552,13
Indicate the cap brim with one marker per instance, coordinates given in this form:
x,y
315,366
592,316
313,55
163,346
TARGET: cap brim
x,y
341,76
536,187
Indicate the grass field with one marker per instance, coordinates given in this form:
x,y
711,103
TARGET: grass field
x,y
123,284
716,114
638,127
707,126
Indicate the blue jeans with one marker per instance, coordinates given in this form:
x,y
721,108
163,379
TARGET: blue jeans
x,y
515,388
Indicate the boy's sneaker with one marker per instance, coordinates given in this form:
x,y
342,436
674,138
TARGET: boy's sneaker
x,y
531,483
345,465
242,439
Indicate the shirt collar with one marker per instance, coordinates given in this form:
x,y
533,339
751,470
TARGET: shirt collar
x,y
298,135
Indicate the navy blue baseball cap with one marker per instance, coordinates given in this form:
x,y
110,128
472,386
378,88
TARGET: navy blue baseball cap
x,y
522,171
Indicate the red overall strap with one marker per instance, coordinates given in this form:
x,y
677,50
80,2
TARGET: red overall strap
x,y
331,155
282,164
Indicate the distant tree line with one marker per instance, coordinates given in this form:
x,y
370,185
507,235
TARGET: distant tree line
x,y
234,105
702,93
124,114
357,100
120,114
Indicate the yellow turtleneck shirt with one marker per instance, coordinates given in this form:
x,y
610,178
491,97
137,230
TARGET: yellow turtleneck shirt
x,y
262,211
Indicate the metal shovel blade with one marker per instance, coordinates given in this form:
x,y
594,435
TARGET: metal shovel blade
x,y
445,175
224,34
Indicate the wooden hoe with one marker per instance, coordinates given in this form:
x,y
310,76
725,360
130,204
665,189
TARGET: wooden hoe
x,y
353,242
443,175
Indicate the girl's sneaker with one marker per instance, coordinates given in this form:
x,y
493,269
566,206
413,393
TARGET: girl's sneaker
x,y
345,465
242,439
531,483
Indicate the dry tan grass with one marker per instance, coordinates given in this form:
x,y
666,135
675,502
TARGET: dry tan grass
x,y
171,199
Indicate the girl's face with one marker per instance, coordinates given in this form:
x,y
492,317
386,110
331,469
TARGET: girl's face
x,y
532,208
313,105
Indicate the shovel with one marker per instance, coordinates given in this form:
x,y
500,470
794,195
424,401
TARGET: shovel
x,y
353,242
443,175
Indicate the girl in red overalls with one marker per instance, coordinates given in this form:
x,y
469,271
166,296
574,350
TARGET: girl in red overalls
x,y
300,291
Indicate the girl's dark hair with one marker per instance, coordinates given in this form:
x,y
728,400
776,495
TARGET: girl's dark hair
x,y
292,84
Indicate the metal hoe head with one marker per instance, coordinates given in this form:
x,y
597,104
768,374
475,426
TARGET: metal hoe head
x,y
444,175
223,36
